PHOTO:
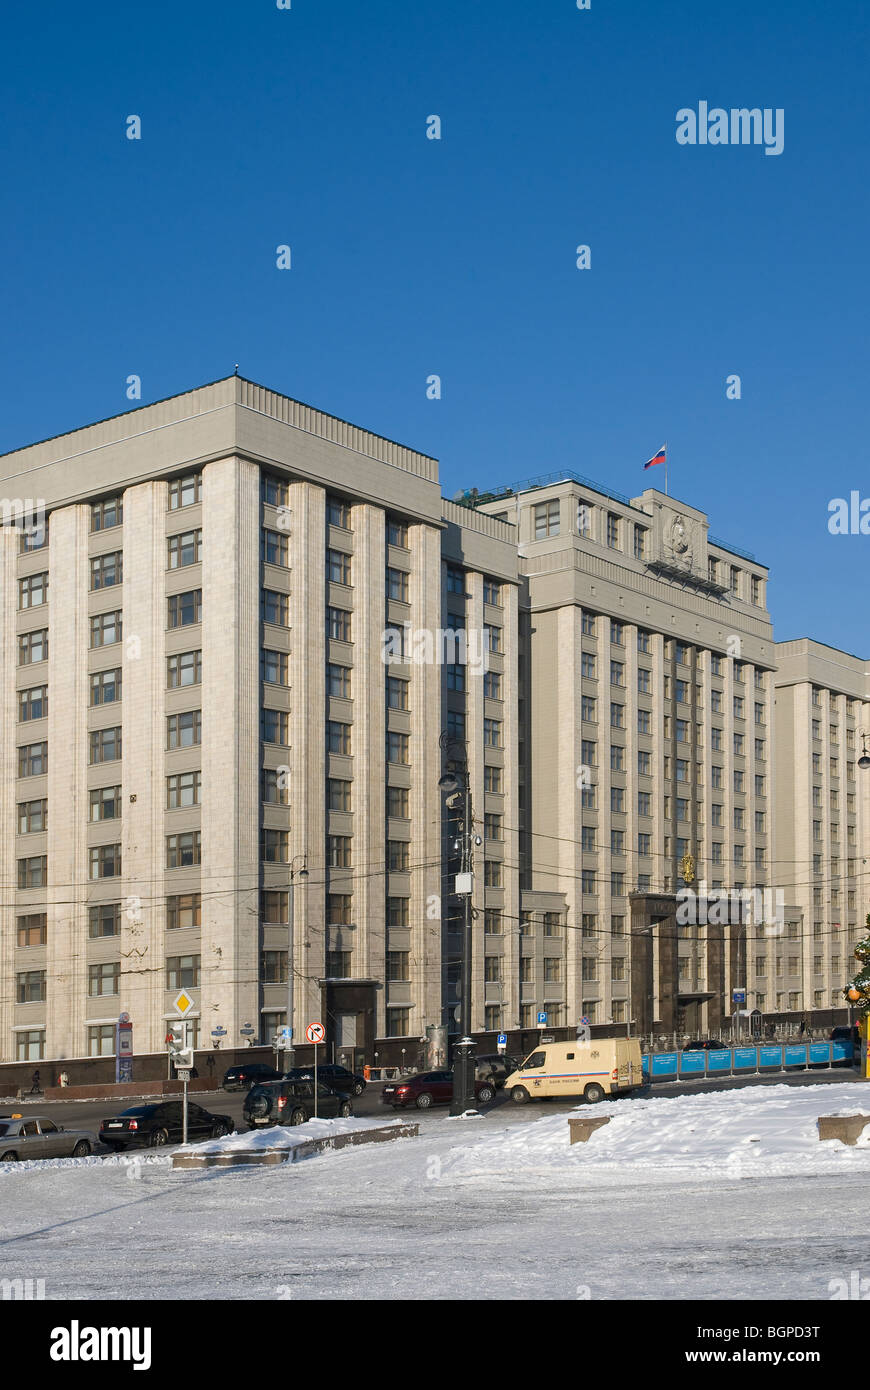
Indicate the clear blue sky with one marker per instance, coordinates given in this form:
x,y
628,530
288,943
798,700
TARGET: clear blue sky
x,y
410,256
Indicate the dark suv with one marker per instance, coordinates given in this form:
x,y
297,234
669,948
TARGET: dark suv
x,y
331,1074
291,1102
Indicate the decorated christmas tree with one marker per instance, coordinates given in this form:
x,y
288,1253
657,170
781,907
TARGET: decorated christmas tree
x,y
857,992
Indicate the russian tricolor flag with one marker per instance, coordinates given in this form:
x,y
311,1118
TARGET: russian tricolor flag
x,y
660,457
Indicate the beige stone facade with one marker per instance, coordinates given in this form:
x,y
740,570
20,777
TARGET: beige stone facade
x,y
197,712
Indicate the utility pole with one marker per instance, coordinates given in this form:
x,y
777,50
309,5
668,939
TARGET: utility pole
x,y
458,789
289,1052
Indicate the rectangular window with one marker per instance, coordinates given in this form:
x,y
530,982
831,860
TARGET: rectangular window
x,y
273,967
617,719
275,726
184,730
105,515
337,513
33,703
587,708
106,687
398,856
338,567
397,533
31,987
338,681
398,912
104,920
397,1023
105,861
32,929
644,721
32,647
492,733
273,786
397,803
106,628
617,634
338,794
492,592
455,581
33,591
337,737
104,978
184,492
644,763
587,623
640,542
397,747
275,607
104,803
33,871
273,546
338,624
546,519
613,530
184,549
106,570
492,779
617,673
183,910
182,972
397,693
183,789
274,490
32,759
274,846
492,685
184,610
338,851
185,668
275,907
184,851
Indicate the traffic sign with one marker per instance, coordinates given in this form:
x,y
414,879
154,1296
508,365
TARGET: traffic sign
x,y
183,1074
739,996
501,1040
542,1019
315,1032
182,1002
247,1031
585,1021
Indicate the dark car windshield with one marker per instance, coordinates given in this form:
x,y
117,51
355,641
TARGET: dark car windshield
x,y
139,1110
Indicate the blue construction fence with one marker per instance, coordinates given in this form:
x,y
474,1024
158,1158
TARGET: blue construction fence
x,y
746,1061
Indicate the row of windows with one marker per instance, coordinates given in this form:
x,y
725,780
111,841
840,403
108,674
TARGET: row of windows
x,y
181,972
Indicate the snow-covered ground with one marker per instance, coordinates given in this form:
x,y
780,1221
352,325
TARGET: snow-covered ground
x,y
723,1195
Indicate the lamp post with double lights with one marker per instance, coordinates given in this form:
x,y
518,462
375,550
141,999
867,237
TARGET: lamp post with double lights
x,y
289,1052
457,789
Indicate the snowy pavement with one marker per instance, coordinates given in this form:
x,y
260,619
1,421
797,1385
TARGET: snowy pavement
x,y
725,1195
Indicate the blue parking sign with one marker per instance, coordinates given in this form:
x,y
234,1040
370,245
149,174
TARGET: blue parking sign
x,y
542,1018
501,1040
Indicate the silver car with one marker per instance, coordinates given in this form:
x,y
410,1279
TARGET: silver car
x,y
36,1136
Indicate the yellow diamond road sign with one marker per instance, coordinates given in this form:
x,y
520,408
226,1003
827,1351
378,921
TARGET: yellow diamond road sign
x,y
183,1002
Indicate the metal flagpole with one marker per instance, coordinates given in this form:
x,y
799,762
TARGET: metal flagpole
x,y
666,469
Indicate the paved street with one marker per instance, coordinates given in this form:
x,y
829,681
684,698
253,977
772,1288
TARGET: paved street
x,y
88,1114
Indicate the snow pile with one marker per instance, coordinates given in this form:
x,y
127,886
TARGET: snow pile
x,y
127,1160
746,1132
284,1136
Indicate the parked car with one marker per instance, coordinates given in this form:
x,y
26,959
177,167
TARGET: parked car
x,y
242,1078
35,1136
705,1045
154,1125
331,1074
495,1066
291,1102
431,1088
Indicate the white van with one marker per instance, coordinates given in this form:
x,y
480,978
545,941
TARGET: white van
x,y
593,1070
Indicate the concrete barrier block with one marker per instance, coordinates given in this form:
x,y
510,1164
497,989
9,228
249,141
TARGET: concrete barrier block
x,y
260,1157
847,1128
581,1127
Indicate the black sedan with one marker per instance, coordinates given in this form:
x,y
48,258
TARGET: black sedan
x,y
291,1102
242,1078
151,1126
332,1075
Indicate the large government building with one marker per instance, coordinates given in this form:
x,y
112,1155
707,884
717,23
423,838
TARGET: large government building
x,y
241,648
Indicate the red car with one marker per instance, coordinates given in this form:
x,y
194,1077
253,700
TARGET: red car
x,y
431,1088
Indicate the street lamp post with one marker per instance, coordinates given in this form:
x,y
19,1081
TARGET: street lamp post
x,y
289,1052
457,787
